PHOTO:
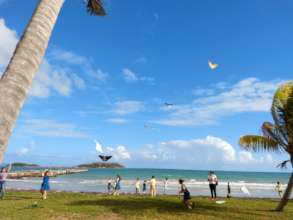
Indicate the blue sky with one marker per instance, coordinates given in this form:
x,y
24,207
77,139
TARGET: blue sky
x,y
106,78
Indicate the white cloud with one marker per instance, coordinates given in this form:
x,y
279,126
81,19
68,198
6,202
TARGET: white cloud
x,y
50,128
82,62
211,150
50,77
117,120
201,153
127,107
25,150
8,43
130,76
248,95
119,153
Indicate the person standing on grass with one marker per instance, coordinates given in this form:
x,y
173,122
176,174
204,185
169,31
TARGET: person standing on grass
x,y
137,186
186,195
165,185
45,187
213,182
279,189
228,190
144,187
153,186
117,185
3,176
109,186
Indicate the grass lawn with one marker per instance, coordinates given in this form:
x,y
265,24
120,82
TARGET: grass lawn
x,y
61,205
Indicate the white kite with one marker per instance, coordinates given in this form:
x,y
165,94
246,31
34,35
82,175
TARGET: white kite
x,y
245,190
212,65
99,148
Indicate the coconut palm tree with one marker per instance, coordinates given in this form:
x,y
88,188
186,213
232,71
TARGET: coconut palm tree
x,y
277,136
21,70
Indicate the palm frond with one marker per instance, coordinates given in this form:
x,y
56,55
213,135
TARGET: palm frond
x,y
258,143
95,7
271,131
283,165
280,104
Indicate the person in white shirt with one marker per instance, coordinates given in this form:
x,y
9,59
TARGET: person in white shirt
x,y
153,187
137,186
213,182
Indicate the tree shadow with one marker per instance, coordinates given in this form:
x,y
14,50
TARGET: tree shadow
x,y
165,206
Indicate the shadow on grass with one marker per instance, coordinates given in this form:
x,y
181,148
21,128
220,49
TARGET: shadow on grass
x,y
164,206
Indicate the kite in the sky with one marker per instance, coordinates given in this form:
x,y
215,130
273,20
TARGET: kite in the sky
x,y
99,149
105,158
168,104
245,190
212,65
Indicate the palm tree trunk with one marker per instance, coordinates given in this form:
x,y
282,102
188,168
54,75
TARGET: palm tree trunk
x,y
18,76
287,193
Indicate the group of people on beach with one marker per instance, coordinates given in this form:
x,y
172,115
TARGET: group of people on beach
x,y
114,187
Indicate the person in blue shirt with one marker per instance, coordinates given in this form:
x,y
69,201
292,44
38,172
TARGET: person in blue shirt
x,y
45,184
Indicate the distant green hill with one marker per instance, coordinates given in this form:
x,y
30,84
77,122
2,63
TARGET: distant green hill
x,y
102,165
17,164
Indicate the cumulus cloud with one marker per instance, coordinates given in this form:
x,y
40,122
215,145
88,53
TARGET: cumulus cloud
x,y
247,95
131,76
127,107
202,153
119,153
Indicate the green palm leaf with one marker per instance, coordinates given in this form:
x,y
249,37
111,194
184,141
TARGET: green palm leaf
x,y
258,143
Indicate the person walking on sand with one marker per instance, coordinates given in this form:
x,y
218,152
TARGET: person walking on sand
x,y
186,195
165,185
279,189
137,186
213,182
3,176
117,185
144,187
153,186
45,184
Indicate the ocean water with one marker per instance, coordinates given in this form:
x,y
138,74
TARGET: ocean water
x,y
260,184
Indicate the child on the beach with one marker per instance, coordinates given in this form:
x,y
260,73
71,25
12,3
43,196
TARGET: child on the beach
x,y
45,184
279,189
137,186
186,195
144,187
117,186
109,186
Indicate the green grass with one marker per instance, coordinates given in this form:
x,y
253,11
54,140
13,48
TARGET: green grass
x,y
61,205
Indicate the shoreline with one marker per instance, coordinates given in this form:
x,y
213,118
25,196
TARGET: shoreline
x,y
138,195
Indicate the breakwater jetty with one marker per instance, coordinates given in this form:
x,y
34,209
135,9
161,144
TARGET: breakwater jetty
x,y
39,173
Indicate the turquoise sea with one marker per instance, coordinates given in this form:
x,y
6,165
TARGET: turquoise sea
x,y
260,184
